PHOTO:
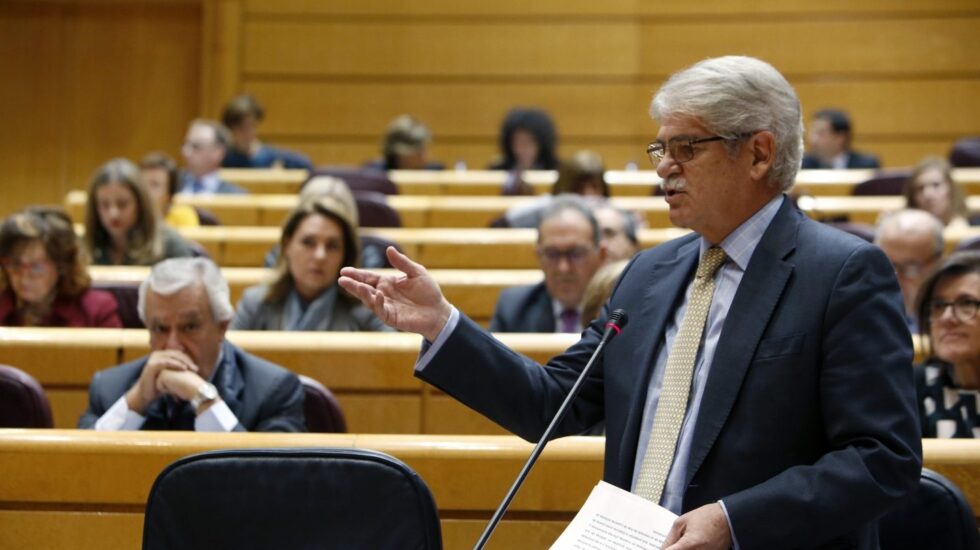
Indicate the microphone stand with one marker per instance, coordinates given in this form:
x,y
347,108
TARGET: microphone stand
x,y
613,327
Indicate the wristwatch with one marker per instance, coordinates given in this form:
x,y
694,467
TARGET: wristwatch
x,y
205,394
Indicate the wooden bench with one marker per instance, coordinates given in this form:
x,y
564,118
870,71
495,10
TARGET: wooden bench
x,y
87,490
490,182
371,374
473,291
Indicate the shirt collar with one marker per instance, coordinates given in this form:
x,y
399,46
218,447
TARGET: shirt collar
x,y
211,182
741,243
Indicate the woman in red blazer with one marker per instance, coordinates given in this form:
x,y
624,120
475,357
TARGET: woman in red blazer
x,y
44,280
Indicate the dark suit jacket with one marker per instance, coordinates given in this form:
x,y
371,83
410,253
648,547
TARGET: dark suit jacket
x,y
854,160
265,397
807,426
524,309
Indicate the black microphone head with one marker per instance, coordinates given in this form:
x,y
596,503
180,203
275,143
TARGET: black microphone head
x,y
618,319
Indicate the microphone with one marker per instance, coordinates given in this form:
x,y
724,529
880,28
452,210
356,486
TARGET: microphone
x,y
614,325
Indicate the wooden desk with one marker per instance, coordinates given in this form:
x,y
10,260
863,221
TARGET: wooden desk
x,y
473,291
621,183
87,490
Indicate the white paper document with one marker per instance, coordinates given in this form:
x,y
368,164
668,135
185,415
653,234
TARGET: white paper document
x,y
614,519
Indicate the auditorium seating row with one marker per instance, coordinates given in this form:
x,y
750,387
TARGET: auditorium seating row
x,y
488,182
371,375
87,490
433,248
473,291
417,211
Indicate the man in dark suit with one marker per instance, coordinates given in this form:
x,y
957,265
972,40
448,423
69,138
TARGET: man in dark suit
x,y
569,253
204,149
830,143
193,379
783,368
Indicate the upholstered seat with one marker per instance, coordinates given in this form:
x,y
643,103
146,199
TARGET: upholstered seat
x,y
23,403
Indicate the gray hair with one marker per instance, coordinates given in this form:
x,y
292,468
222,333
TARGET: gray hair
x,y
173,275
908,220
735,95
577,203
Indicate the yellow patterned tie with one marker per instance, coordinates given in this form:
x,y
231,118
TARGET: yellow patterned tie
x,y
672,403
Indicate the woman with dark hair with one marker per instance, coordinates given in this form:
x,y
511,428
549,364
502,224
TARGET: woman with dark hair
x,y
121,221
583,174
159,172
948,382
528,141
44,280
931,188
318,238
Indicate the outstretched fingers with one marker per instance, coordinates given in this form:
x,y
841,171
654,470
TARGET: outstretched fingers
x,y
360,275
403,263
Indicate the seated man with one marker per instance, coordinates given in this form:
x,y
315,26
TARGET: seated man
x,y
913,241
204,148
618,232
193,379
830,143
242,116
569,252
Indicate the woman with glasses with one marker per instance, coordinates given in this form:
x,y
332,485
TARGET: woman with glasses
x,y
44,280
122,226
948,382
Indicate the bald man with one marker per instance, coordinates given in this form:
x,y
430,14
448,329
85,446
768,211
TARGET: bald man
x,y
913,241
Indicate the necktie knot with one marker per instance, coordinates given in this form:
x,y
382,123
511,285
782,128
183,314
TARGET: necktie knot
x,y
569,320
710,262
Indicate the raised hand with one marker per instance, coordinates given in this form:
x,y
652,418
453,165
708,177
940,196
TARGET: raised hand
x,y
411,301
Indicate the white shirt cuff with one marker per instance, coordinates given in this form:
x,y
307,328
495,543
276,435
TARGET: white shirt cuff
x,y
731,531
217,418
429,350
119,417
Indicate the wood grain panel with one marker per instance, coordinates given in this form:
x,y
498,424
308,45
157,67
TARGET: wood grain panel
x,y
381,413
450,109
67,406
445,415
324,47
817,48
70,529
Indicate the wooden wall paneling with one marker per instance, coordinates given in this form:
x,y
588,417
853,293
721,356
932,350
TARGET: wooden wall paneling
x,y
221,54
444,8
134,80
537,48
33,103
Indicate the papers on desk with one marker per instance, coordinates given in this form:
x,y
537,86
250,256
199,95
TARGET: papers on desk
x,y
614,519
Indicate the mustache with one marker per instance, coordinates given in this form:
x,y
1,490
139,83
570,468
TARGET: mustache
x,y
674,183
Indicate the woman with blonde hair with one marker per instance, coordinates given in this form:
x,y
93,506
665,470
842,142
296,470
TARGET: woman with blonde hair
x,y
44,279
931,188
122,225
318,238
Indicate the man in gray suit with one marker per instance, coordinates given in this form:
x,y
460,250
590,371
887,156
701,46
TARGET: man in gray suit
x,y
204,148
193,379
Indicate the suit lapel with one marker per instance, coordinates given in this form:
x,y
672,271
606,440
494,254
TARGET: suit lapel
x,y
756,299
228,380
666,284
542,314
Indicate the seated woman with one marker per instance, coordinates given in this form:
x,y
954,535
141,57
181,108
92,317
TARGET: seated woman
x,y
583,174
931,188
528,141
44,280
121,220
948,382
318,238
159,172
405,147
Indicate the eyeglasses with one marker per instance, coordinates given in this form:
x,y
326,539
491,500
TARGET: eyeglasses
x,y
574,255
681,148
31,268
964,309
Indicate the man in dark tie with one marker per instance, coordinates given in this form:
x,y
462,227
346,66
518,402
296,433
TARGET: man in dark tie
x,y
569,252
193,378
763,387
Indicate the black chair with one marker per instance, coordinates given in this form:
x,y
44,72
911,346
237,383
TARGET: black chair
x,y
973,243
127,298
321,409
888,182
936,515
290,498
373,210
23,403
206,217
965,152
358,179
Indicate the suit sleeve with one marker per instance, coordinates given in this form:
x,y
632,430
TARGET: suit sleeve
x,y
282,410
868,407
96,406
